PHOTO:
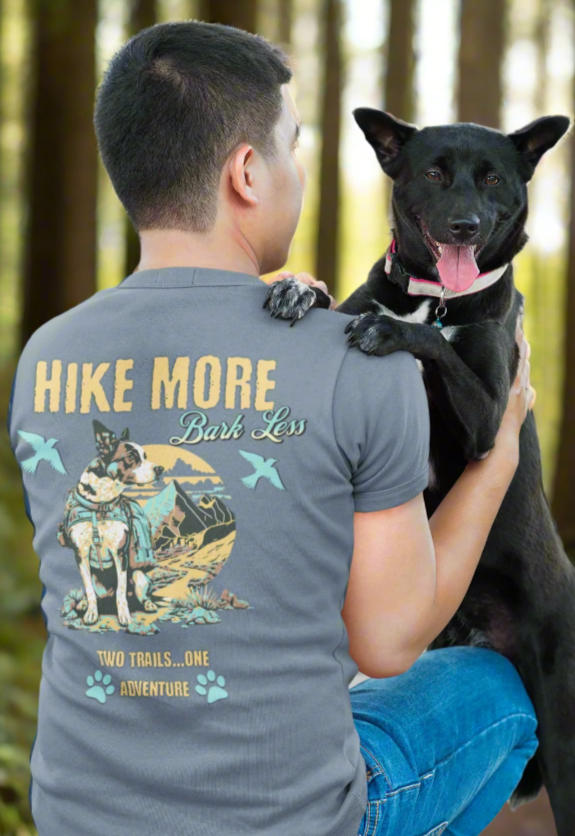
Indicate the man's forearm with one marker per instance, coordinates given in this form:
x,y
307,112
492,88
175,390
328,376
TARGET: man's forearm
x,y
460,527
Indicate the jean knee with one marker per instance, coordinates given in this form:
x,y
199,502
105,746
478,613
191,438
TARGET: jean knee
x,y
495,674
511,689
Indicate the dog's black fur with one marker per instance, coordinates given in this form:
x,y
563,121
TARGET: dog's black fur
x,y
521,602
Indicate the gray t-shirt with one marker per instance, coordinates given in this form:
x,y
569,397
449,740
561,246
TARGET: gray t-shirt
x,y
192,468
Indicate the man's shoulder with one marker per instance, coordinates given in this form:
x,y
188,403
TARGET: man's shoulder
x,y
321,334
329,327
58,327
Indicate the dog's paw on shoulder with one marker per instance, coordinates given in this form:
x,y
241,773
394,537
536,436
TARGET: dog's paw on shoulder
x,y
291,299
375,333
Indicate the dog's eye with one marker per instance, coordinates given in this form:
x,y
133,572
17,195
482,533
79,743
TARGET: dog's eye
x,y
434,175
492,180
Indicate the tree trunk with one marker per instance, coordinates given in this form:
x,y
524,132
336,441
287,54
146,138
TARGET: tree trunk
x,y
399,84
142,15
482,28
542,39
61,178
239,13
285,22
327,245
564,482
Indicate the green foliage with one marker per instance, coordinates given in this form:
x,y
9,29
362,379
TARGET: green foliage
x,y
541,279
22,637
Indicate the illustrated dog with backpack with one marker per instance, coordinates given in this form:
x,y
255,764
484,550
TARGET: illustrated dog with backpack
x,y
444,291
109,532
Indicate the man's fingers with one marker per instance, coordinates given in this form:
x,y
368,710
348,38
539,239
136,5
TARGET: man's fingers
x,y
523,368
305,278
524,353
285,274
521,363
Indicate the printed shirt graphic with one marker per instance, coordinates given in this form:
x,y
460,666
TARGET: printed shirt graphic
x,y
191,468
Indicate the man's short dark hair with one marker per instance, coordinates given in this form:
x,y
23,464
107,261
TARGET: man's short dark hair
x,y
173,104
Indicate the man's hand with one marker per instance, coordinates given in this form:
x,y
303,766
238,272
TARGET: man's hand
x,y
291,296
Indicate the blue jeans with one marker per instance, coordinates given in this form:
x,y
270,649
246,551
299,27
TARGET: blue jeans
x,y
445,744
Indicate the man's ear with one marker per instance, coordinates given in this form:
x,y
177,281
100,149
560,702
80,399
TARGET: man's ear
x,y
535,139
386,134
241,167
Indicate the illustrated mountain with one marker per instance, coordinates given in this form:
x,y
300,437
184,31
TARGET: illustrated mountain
x,y
181,468
175,519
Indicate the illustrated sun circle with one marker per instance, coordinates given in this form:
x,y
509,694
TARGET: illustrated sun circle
x,y
167,456
192,472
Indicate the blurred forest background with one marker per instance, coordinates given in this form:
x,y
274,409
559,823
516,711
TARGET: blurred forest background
x,y
63,234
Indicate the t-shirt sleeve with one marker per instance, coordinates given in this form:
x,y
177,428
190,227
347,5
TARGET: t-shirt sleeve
x,y
381,425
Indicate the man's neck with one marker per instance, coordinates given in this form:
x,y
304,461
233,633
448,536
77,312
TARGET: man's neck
x,y
176,248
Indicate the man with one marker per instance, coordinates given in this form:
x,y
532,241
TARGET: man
x,y
263,458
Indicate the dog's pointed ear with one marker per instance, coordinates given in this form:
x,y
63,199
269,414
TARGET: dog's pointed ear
x,y
536,138
105,438
386,134
125,435
101,430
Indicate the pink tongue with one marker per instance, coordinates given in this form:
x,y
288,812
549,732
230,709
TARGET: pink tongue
x,y
457,267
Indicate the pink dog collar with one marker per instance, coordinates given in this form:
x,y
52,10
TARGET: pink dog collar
x,y
427,287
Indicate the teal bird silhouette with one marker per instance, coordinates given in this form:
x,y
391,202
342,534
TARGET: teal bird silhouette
x,y
262,467
44,451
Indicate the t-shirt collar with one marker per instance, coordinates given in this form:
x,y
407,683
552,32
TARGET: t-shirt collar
x,y
187,277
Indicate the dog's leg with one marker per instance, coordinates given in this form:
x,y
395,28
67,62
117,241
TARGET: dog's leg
x,y
554,700
114,536
469,378
124,616
554,761
81,538
142,585
91,614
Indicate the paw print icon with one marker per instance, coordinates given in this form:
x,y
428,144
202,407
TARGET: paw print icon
x,y
211,687
99,687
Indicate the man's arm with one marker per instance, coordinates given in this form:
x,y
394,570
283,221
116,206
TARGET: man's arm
x,y
409,575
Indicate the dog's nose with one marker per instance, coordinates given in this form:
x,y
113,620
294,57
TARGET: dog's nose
x,y
158,470
464,228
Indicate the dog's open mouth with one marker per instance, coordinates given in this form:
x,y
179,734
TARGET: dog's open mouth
x,y
456,265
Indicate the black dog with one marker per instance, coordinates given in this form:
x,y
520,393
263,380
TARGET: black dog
x,y
460,205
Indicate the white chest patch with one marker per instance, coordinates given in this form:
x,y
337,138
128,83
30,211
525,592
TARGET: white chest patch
x,y
419,316
449,332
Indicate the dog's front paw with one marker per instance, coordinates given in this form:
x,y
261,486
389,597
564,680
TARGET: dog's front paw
x,y
124,616
374,333
291,299
91,614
